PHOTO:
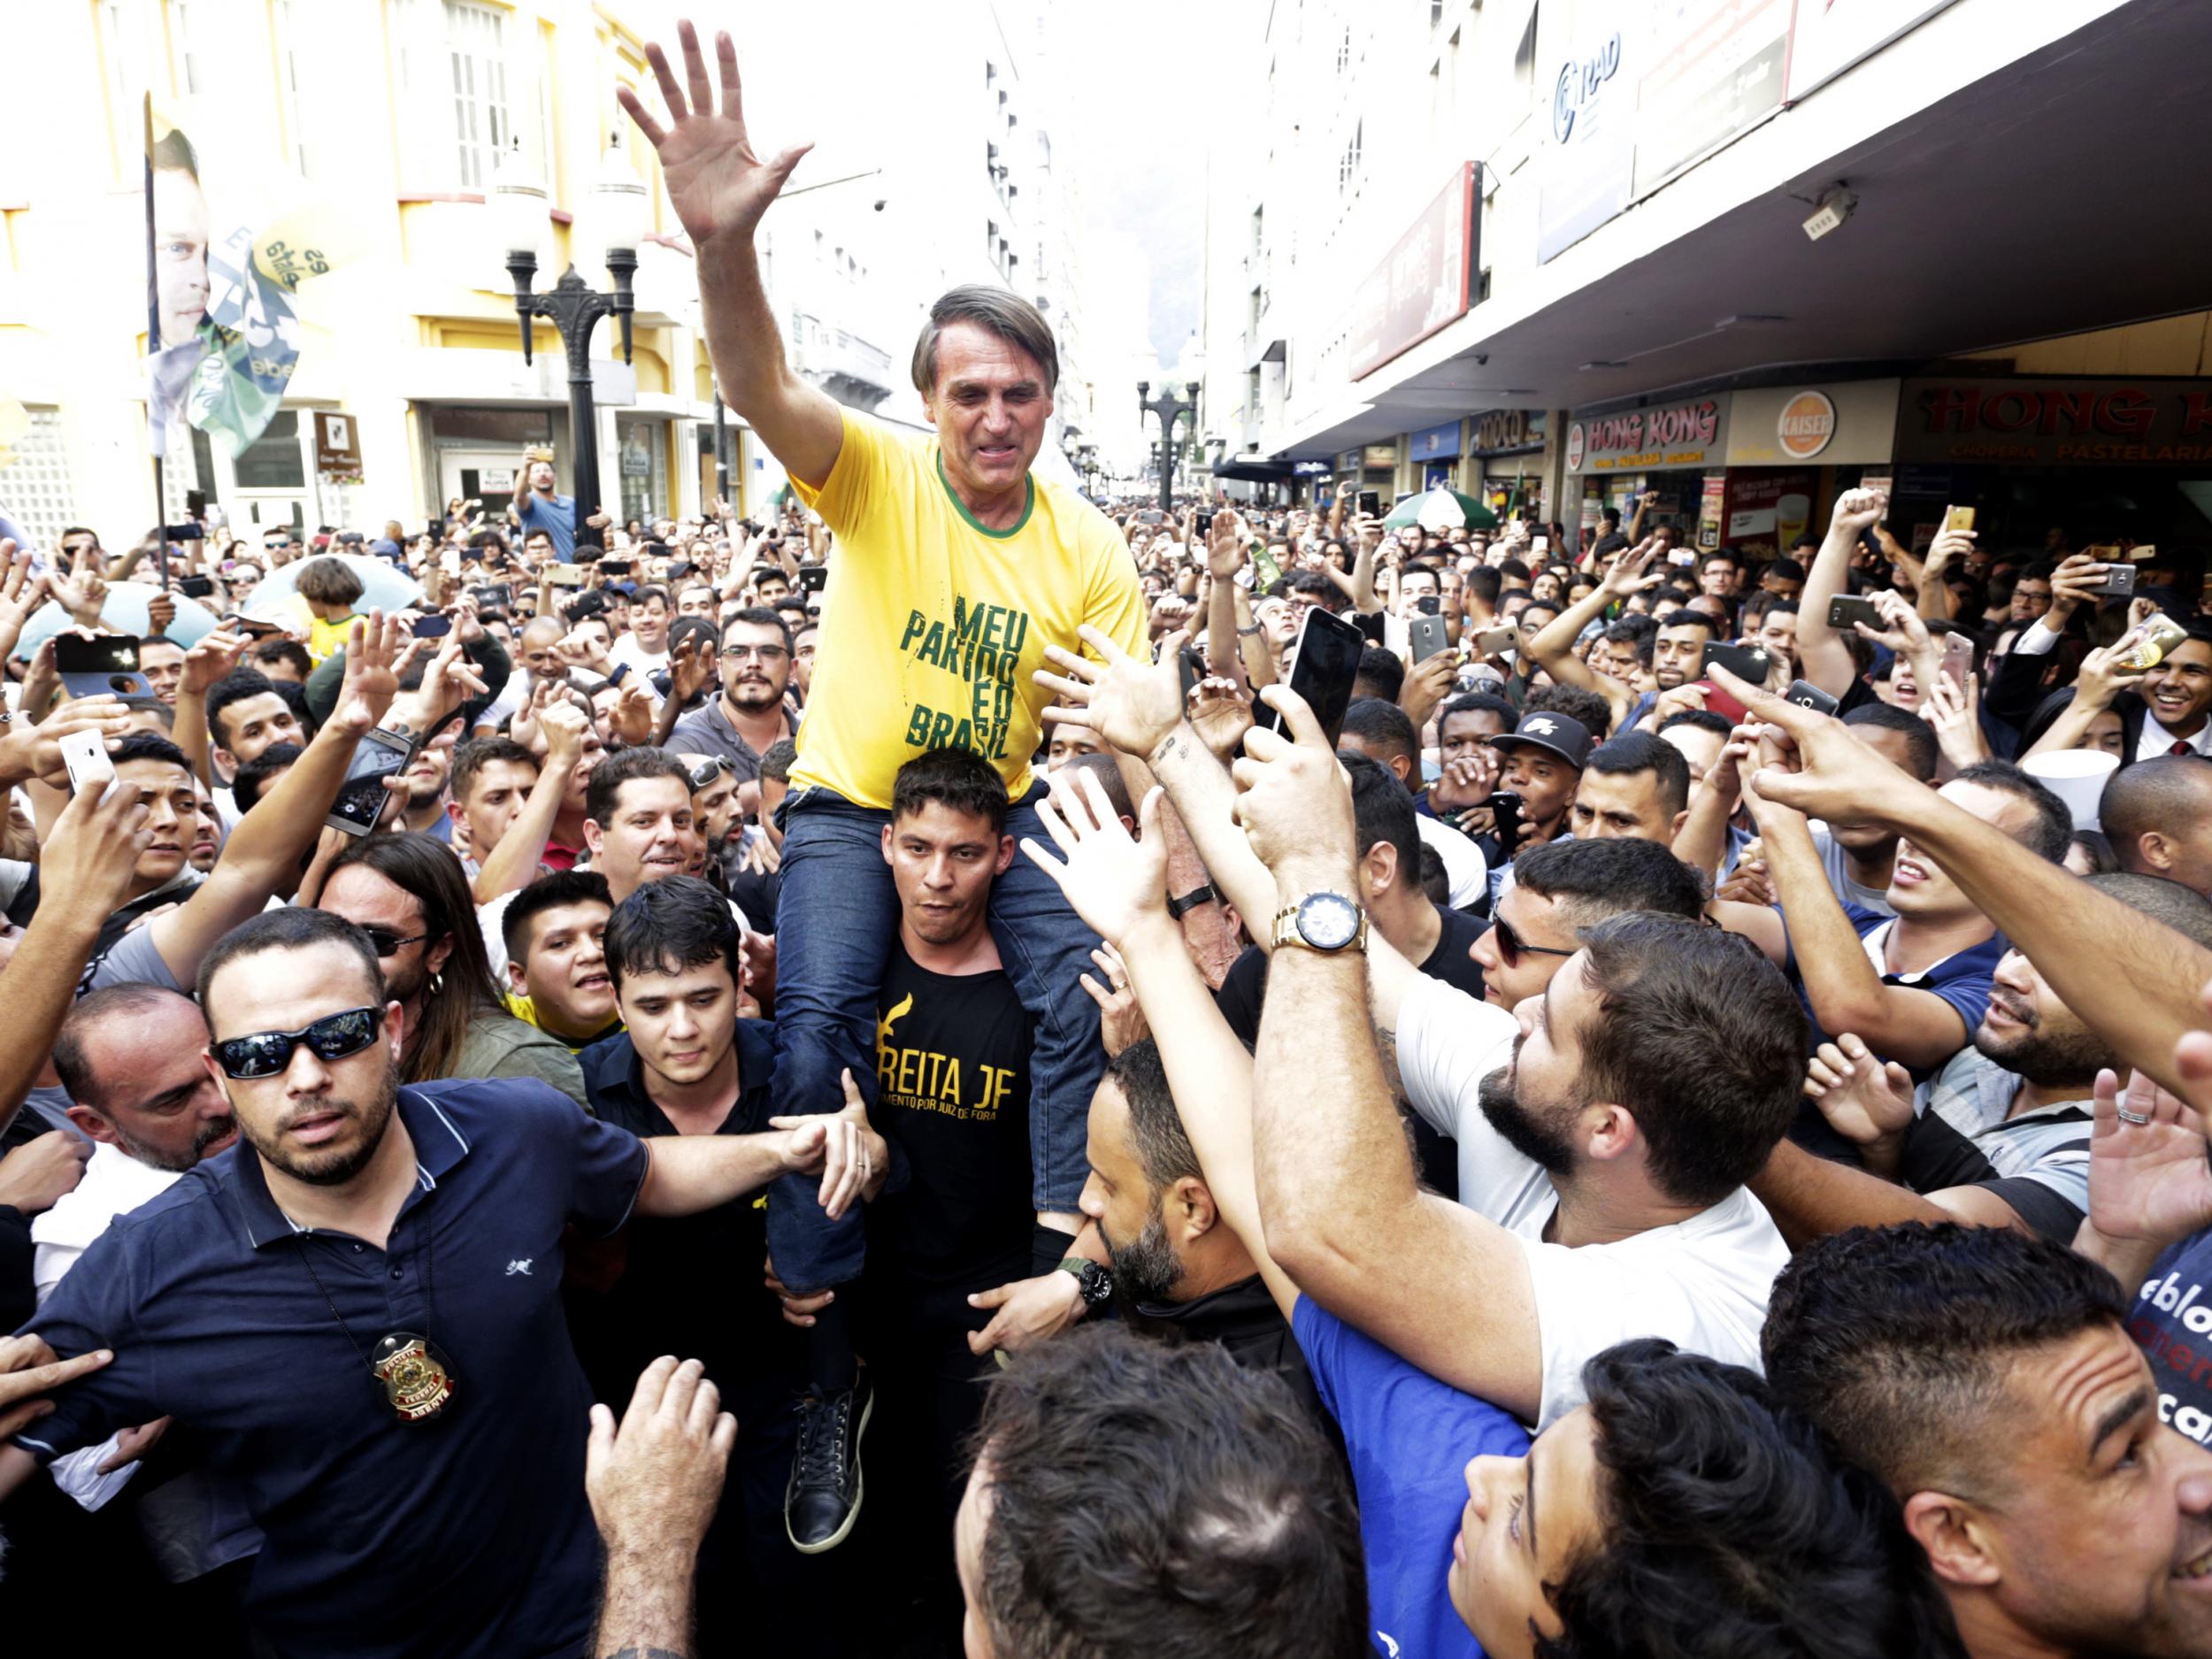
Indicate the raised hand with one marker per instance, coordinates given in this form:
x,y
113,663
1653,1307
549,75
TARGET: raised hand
x,y
1225,546
691,670
84,590
371,681
1112,881
34,751
1466,782
1120,1021
855,1160
92,854
1294,802
716,183
563,726
2149,1182
655,1479
1855,510
1867,1103
1629,575
1956,716
1132,705
631,719
20,594
1220,711
448,681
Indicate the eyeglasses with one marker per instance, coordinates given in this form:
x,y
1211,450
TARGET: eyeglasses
x,y
389,943
766,653
708,771
267,1053
1511,945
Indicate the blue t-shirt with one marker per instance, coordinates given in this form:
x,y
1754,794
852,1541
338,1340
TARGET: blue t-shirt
x,y
1408,1437
1962,980
557,519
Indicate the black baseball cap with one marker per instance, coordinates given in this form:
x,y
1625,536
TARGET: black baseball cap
x,y
1562,734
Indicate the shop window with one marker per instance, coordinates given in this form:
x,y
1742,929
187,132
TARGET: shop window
x,y
643,458
273,460
475,47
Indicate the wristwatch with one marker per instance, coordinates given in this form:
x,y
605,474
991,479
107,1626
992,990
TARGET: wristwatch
x,y
1203,894
1094,1283
1324,921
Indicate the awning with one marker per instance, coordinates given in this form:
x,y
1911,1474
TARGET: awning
x,y
1253,469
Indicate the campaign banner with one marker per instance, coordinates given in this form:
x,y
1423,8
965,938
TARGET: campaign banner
x,y
224,259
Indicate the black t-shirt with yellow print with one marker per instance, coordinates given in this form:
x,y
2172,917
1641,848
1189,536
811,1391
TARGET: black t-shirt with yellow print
x,y
952,1077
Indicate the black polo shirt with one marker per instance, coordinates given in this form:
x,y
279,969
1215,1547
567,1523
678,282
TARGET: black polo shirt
x,y
686,1285
467,1534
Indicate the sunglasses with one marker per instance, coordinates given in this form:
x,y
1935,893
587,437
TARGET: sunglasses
x,y
388,943
267,1053
1511,945
707,772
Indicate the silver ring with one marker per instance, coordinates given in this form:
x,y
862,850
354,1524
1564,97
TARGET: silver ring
x,y
2127,1116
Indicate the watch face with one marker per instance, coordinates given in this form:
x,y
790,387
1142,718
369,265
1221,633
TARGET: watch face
x,y
1327,921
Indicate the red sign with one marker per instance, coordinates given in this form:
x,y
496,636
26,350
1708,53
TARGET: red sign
x,y
1767,510
2142,422
1426,282
1666,435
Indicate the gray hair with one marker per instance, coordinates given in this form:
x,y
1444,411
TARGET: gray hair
x,y
1006,314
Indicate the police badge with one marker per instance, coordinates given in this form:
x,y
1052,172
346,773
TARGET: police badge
x,y
416,1377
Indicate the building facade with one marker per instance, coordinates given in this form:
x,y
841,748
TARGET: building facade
x,y
1736,254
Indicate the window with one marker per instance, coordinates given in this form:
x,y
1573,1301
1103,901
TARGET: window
x,y
475,44
189,68
292,86
125,29
273,460
34,480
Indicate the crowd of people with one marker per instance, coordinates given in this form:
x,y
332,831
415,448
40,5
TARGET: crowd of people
x,y
552,1117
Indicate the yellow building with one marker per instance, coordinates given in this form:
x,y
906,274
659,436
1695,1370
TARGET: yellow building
x,y
395,114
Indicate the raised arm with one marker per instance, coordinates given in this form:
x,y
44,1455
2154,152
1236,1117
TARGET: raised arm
x,y
1823,656
1553,646
719,188
513,864
2070,931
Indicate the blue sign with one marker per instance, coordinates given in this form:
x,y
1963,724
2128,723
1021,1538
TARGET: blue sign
x,y
1437,441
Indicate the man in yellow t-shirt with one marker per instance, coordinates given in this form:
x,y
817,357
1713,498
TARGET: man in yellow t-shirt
x,y
954,568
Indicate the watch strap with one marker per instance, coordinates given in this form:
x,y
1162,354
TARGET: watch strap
x,y
1203,894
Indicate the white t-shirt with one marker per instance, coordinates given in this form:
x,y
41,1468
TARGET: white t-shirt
x,y
1702,1283
642,662
1466,872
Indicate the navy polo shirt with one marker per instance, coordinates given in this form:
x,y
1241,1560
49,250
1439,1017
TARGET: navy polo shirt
x,y
468,1534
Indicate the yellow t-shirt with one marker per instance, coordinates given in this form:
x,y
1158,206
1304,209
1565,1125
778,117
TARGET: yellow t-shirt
x,y
324,635
934,625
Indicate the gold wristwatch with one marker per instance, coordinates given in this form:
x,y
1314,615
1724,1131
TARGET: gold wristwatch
x,y
1323,920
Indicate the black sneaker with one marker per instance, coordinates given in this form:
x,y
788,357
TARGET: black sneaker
x,y
823,1499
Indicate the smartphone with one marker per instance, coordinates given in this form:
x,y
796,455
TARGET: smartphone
x,y
1324,664
1682,556
196,503
184,532
1371,502
1746,662
1496,642
1427,635
86,756
564,575
1193,669
1805,694
499,595
1429,604
1372,626
1958,659
1958,519
615,567
1265,572
433,627
1844,610
2119,581
201,586
1151,515
1505,820
361,797
106,664
813,578
1539,544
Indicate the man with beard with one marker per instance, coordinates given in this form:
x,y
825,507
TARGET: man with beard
x,y
359,1310
1998,1138
1178,1268
749,715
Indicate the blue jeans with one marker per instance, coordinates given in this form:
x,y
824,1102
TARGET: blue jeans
x,y
836,919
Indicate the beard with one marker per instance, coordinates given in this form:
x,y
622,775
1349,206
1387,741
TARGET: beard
x,y
2066,1058
213,1130
1533,1133
332,1166
1146,1268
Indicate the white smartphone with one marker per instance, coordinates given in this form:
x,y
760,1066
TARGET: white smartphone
x,y
85,753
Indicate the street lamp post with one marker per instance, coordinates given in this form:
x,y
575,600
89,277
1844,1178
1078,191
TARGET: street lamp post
x,y
621,211
1170,408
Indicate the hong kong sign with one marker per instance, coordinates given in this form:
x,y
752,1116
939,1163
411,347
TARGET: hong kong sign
x,y
2111,423
1691,433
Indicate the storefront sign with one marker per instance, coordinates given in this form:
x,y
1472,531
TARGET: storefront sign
x,y
1844,423
2092,422
1765,510
1380,454
1509,431
1424,283
337,449
1688,433
1347,461
1437,441
1832,36
1716,68
1586,56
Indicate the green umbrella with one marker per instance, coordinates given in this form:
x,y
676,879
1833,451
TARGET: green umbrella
x,y
1441,509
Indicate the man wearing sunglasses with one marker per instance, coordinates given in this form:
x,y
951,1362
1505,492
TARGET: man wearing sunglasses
x,y
749,715
365,1225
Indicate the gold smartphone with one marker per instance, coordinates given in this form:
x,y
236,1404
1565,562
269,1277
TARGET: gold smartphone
x,y
1958,518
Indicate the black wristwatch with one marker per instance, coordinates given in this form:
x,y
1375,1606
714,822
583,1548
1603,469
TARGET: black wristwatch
x,y
1178,908
1094,1283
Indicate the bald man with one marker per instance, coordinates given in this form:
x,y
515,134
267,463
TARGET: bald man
x,y
2158,814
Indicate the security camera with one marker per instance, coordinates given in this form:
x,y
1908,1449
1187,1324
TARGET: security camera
x,y
1834,207
878,204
